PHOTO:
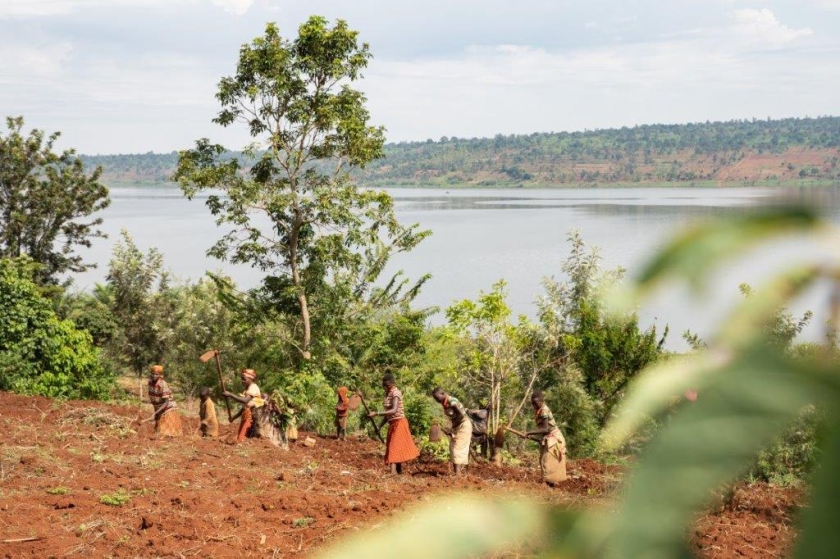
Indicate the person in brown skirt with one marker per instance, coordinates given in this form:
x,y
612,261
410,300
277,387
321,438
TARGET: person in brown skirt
x,y
167,418
399,446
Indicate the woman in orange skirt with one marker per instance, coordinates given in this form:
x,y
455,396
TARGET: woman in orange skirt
x,y
399,446
167,418
250,398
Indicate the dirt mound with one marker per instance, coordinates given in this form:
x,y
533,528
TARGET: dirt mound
x,y
90,478
757,522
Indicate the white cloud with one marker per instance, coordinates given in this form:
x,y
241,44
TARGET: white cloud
x,y
18,62
43,8
762,26
237,7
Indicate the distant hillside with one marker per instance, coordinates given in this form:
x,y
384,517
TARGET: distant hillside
x,y
736,152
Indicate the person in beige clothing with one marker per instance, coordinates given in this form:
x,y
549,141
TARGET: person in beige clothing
x,y
460,434
207,414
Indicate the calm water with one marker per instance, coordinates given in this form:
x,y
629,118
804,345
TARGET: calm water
x,y
480,236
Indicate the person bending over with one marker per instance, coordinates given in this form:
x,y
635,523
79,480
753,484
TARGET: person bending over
x,y
460,432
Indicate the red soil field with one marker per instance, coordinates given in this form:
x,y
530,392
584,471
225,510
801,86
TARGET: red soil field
x,y
193,497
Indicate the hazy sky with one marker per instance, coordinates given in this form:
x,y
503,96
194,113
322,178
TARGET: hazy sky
x,y
118,76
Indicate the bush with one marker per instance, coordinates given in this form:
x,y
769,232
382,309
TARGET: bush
x,y
792,455
41,354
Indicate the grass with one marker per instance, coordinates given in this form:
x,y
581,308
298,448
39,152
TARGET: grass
x,y
303,522
117,499
58,491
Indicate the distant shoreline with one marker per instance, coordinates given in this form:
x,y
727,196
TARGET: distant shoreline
x,y
803,183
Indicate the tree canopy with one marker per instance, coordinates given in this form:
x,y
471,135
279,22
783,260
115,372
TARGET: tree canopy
x,y
47,201
310,128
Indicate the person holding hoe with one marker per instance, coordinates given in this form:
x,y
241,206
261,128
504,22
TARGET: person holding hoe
x,y
167,419
399,446
552,443
460,433
261,415
250,398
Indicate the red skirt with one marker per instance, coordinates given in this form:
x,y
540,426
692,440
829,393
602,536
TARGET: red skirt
x,y
245,425
399,446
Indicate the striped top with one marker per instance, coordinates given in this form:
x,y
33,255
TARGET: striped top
x,y
394,398
160,395
454,410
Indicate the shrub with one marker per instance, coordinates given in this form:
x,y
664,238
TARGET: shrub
x,y
41,354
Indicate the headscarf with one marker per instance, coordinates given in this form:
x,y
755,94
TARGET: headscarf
x,y
250,374
342,394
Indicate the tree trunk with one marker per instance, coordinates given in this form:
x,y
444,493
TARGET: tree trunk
x,y
307,331
301,295
496,455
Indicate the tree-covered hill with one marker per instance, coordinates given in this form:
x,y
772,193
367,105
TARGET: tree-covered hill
x,y
750,151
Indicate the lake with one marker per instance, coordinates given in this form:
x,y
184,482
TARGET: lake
x,y
483,235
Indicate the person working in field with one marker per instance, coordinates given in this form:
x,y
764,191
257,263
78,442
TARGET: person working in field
x,y
260,416
342,410
460,433
399,446
552,443
207,414
167,418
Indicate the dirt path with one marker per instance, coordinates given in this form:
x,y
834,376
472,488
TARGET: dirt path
x,y
198,497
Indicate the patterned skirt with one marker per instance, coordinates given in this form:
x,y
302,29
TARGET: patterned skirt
x,y
270,425
399,446
169,424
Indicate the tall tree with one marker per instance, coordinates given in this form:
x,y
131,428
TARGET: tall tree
x,y
138,299
46,202
310,129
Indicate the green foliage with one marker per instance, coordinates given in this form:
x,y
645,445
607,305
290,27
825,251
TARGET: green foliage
x,y
607,349
438,451
295,97
793,455
491,360
41,354
461,526
91,312
46,203
138,297
117,499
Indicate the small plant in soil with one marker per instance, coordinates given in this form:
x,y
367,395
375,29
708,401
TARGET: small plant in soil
x,y
303,522
117,499
58,491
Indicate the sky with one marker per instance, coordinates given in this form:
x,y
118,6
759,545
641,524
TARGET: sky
x,y
132,76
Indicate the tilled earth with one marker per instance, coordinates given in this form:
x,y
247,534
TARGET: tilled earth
x,y
84,478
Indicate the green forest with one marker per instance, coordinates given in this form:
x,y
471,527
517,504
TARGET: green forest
x,y
794,150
